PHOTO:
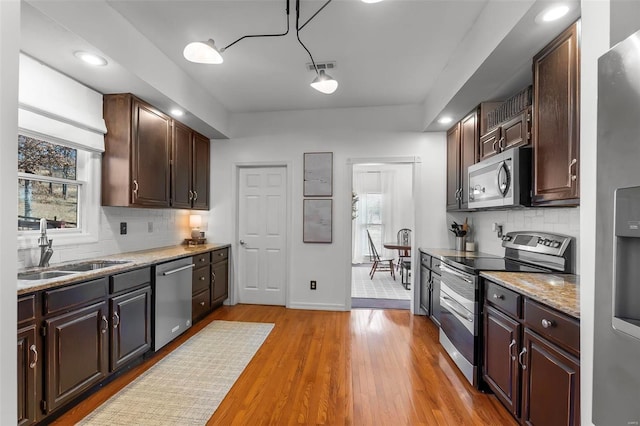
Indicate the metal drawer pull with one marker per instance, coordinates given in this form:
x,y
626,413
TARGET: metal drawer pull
x,y
457,311
520,358
213,277
498,296
201,303
547,323
33,350
202,259
511,355
201,278
456,273
106,324
116,320
173,271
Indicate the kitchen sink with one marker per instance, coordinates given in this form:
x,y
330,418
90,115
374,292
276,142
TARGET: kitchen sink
x,y
90,266
42,275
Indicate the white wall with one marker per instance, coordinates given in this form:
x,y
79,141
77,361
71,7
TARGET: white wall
x,y
170,227
349,134
9,46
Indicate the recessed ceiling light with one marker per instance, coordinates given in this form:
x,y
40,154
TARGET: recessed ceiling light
x,y
552,13
90,58
177,112
371,1
445,120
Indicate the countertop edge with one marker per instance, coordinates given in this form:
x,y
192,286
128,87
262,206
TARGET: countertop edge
x,y
135,260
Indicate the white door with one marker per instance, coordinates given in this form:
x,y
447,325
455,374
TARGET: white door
x,y
262,234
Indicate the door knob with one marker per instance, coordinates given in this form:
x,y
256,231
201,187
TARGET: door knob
x,y
242,243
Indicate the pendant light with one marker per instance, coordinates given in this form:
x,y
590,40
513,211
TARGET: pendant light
x,y
203,52
324,83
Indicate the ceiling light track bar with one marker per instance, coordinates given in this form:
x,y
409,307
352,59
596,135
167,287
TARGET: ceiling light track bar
x,y
312,16
262,35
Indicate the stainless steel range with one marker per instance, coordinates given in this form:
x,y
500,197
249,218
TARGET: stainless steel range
x,y
461,295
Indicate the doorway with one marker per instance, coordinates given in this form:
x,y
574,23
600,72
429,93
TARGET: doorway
x,y
382,205
262,251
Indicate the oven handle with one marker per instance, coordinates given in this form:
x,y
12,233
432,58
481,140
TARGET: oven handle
x,y
447,301
445,268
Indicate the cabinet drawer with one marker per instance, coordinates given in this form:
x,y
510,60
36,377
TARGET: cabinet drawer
x,y
26,308
202,259
219,255
557,327
201,279
74,296
129,280
508,301
200,304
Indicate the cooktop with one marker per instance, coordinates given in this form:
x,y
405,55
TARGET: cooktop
x,y
475,264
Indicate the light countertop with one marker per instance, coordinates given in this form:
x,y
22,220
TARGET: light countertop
x,y
134,259
439,252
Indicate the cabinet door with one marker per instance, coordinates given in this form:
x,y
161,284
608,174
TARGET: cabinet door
x,y
435,298
181,167
551,384
200,172
500,357
130,326
150,156
219,282
77,353
468,153
556,120
489,144
453,167
425,290
28,353
516,132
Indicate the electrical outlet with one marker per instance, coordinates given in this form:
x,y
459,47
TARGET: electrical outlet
x,y
150,226
313,285
123,228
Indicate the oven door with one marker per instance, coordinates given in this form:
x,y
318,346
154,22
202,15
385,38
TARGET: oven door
x,y
458,323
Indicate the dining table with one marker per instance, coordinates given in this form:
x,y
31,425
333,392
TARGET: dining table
x,y
404,250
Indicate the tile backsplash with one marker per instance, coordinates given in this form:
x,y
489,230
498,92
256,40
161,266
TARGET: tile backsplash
x,y
565,220
146,228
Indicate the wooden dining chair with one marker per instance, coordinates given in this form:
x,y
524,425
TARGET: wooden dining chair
x,y
404,238
379,263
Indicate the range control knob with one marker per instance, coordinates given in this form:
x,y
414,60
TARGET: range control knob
x,y
556,244
547,243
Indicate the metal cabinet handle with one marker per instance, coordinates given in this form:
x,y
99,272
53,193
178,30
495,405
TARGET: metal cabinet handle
x,y
173,271
106,324
34,351
498,296
521,357
190,195
135,188
511,355
547,323
195,195
201,278
571,164
501,143
495,149
201,303
116,320
458,274
213,277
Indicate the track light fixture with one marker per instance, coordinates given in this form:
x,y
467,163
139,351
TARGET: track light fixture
x,y
206,52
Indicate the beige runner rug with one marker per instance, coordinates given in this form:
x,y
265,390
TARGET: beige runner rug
x,y
186,386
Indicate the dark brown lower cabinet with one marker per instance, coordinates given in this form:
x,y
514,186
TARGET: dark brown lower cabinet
x,y
28,367
130,326
551,384
77,353
219,282
500,369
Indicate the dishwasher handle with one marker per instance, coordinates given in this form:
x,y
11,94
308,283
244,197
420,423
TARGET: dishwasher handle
x,y
173,271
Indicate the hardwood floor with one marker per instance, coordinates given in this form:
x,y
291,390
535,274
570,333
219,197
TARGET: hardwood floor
x,y
365,367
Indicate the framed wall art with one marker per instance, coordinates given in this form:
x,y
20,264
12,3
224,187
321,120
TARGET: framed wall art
x,y
317,221
318,174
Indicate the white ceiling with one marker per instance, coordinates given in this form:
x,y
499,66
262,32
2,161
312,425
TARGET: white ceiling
x,y
388,53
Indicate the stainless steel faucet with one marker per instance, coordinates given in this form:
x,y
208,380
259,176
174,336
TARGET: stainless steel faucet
x,y
45,245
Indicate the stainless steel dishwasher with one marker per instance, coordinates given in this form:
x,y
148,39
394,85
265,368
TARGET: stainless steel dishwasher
x,y
172,301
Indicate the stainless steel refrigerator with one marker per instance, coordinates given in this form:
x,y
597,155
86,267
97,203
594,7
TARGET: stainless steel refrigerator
x,y
616,371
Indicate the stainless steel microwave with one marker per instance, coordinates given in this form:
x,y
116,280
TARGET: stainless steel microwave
x,y
501,181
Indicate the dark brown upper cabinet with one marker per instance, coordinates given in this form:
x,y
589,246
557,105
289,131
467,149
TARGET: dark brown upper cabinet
x,y
135,164
512,133
151,160
462,152
556,120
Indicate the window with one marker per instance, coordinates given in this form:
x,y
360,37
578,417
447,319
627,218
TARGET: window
x,y
372,212
54,183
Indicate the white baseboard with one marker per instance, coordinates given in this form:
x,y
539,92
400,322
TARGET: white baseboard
x,y
317,306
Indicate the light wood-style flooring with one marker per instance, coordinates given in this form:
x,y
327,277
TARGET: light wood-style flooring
x,y
365,367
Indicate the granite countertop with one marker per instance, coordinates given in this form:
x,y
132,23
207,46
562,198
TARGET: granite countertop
x,y
559,291
131,260
440,253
